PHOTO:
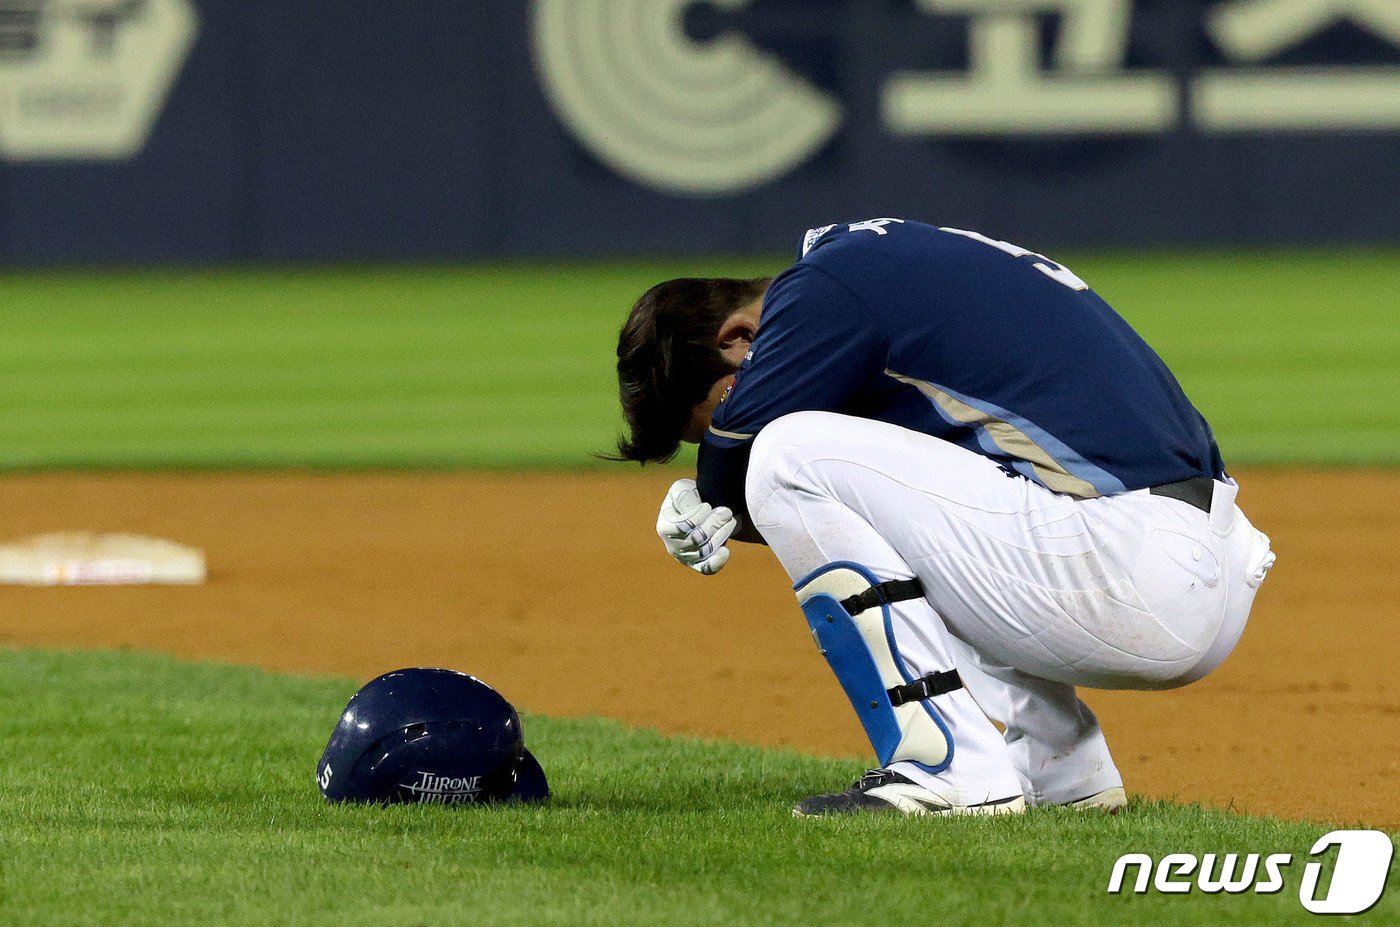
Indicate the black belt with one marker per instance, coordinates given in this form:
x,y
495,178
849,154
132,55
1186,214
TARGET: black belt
x,y
1196,491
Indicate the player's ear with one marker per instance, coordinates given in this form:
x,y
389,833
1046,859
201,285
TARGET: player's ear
x,y
737,330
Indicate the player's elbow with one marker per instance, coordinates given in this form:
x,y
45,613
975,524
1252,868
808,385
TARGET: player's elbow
x,y
748,534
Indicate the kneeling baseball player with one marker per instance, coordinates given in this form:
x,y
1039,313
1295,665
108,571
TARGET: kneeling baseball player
x,y
986,488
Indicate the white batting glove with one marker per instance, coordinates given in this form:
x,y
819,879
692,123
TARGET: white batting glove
x,y
693,531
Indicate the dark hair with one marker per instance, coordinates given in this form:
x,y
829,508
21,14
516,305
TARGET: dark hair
x,y
668,358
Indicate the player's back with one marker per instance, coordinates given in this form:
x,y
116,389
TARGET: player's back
x,y
1010,354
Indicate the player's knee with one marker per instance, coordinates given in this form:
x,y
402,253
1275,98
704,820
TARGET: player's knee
x,y
782,453
783,447
797,432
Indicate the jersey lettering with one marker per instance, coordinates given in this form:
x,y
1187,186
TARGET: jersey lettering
x,y
874,225
1057,272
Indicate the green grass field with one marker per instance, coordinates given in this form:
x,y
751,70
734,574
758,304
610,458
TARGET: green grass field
x,y
139,790
153,792
1293,356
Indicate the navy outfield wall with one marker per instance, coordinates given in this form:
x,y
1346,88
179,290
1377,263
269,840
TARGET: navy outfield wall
x,y
173,130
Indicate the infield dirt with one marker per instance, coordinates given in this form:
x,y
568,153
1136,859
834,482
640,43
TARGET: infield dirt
x,y
554,589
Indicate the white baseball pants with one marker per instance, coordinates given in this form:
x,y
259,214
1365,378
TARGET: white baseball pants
x,y
1028,592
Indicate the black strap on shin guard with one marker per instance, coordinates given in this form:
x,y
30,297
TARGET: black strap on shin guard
x,y
931,685
896,590
901,590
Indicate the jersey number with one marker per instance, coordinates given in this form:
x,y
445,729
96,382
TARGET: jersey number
x,y
1057,272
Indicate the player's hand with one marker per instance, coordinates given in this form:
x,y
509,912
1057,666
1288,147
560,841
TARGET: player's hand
x,y
693,531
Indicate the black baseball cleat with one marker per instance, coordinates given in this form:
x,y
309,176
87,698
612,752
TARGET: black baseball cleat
x,y
883,791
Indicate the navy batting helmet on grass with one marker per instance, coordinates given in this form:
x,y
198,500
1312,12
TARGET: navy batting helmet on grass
x,y
429,736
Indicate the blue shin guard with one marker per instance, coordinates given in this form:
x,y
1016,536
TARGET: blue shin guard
x,y
848,610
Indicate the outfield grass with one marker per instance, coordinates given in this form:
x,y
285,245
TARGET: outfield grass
x,y
1294,356
141,790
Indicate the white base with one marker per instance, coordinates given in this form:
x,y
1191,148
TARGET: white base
x,y
88,559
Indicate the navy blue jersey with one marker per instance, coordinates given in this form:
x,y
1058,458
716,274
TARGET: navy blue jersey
x,y
969,339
